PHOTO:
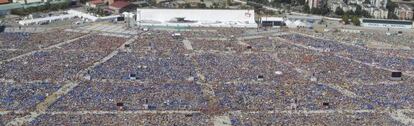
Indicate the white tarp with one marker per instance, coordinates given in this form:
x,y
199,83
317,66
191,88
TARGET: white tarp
x,y
196,17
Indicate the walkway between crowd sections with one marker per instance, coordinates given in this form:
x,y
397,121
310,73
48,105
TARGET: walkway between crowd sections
x,y
47,48
401,117
187,44
69,86
206,88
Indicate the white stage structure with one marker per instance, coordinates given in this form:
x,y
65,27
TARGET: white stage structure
x,y
196,18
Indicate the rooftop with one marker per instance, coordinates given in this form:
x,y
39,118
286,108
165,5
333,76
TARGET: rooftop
x,y
120,4
96,2
4,1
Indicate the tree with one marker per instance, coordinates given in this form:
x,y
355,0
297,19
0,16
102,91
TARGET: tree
x,y
350,12
324,10
366,14
358,10
315,11
355,21
201,5
301,2
345,18
392,16
367,2
339,11
306,8
152,2
391,6
187,5
276,3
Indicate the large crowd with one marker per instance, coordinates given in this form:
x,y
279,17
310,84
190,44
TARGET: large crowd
x,y
158,72
13,44
25,96
195,119
133,96
60,64
284,119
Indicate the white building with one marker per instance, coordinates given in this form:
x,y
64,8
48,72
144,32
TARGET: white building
x,y
196,18
404,12
385,23
314,3
379,3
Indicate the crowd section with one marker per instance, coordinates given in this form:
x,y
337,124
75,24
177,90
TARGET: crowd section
x,y
217,45
24,97
409,114
8,53
6,118
215,32
400,96
195,119
157,72
279,96
26,42
354,52
133,96
397,48
160,42
62,63
337,119
149,66
369,37
245,67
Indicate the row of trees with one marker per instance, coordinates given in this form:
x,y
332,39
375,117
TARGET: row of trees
x,y
358,12
354,19
352,16
323,10
98,11
44,8
391,8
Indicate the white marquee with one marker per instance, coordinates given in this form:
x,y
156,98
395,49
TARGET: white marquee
x,y
196,17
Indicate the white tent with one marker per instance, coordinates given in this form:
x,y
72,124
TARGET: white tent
x,y
297,24
196,17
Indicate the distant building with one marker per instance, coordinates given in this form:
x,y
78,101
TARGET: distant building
x,y
4,1
381,13
386,23
404,12
314,3
379,3
120,6
5,8
95,3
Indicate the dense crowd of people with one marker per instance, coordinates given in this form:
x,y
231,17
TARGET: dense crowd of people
x,y
267,119
364,55
62,63
158,72
13,44
122,120
133,96
25,96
